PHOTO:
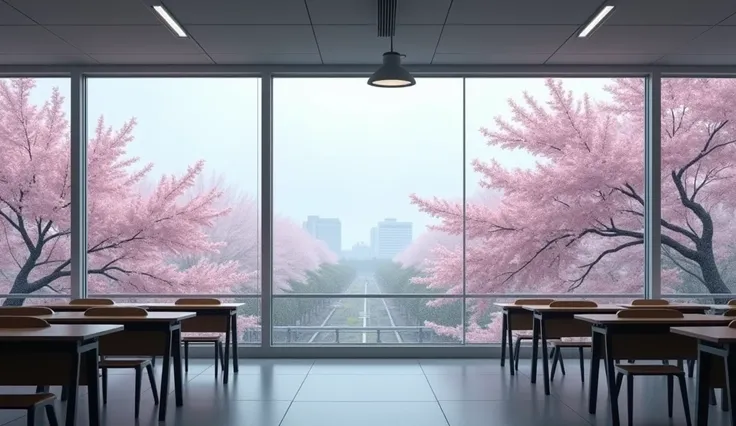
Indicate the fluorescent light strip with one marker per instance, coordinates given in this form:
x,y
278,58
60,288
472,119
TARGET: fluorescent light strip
x,y
170,21
595,22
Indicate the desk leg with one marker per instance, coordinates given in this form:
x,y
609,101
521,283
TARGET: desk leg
x,y
176,352
166,366
730,362
702,399
535,349
595,367
73,390
504,327
91,361
234,322
611,376
545,355
226,370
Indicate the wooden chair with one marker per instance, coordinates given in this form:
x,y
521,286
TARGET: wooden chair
x,y
732,302
28,402
649,302
137,364
92,302
573,304
216,340
525,335
669,371
557,345
26,311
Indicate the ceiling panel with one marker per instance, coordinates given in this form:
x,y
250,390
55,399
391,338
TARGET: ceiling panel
x,y
614,59
671,12
357,12
244,12
490,59
33,59
358,44
610,39
525,12
32,39
267,58
254,39
157,59
126,39
86,12
10,16
717,40
698,60
526,39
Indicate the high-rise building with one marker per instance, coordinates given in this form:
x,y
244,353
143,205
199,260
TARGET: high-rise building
x,y
326,229
390,238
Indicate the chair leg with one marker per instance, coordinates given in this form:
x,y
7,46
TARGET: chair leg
x,y
517,347
582,364
619,380
186,357
104,385
552,353
153,361
138,380
690,367
712,397
670,395
630,397
685,401
217,357
222,356
51,415
31,416
555,361
562,362
152,380
65,393
724,399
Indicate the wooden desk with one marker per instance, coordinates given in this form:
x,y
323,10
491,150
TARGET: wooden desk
x,y
554,323
515,318
221,318
158,334
685,308
640,339
55,356
718,342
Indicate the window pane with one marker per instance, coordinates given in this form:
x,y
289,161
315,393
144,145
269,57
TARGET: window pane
x,y
698,179
35,188
350,163
173,180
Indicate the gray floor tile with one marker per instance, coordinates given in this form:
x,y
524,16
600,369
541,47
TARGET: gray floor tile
x,y
365,388
270,366
364,414
463,366
366,366
483,387
246,387
550,412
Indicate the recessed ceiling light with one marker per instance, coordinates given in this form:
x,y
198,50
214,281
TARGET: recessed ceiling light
x,y
169,20
596,22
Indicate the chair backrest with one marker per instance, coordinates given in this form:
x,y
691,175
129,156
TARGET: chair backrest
x,y
650,302
732,324
649,313
92,302
732,302
730,313
22,322
203,301
25,311
116,312
533,301
573,304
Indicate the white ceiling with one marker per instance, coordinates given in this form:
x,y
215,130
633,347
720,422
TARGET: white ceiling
x,y
510,32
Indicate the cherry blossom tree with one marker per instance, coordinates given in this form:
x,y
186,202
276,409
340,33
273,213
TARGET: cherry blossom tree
x,y
574,222
134,236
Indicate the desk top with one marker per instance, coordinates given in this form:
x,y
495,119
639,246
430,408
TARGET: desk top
x,y
675,306
66,332
79,317
577,309
149,306
710,334
687,319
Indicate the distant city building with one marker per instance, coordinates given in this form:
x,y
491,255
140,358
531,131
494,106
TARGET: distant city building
x,y
325,229
360,251
390,238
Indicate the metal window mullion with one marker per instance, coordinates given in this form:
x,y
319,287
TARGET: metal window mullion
x,y
464,182
652,186
266,207
78,164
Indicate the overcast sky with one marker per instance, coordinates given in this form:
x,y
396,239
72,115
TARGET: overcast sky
x,y
341,148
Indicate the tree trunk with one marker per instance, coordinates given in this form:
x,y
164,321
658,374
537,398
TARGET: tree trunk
x,y
713,281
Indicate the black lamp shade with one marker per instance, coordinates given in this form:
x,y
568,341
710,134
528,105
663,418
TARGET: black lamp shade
x,y
391,73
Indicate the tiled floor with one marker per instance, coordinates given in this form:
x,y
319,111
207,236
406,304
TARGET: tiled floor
x,y
379,393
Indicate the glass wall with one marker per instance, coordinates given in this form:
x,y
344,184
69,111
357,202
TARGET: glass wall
x,y
351,166
173,189
35,189
698,165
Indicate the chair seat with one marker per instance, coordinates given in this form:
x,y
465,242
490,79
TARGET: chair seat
x,y
201,339
528,336
124,362
565,344
25,401
649,370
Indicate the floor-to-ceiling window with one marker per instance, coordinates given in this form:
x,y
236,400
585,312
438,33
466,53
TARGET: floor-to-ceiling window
x,y
173,190
35,190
